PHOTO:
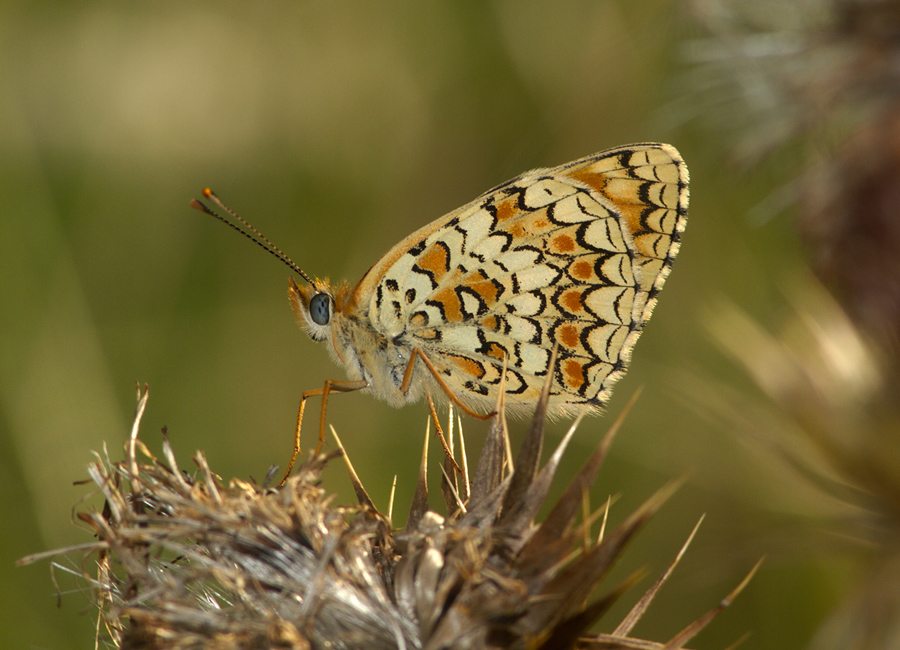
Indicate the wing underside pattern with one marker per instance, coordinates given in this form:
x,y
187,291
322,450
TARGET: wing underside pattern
x,y
574,255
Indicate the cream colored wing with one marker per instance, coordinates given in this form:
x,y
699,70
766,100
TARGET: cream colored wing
x,y
573,255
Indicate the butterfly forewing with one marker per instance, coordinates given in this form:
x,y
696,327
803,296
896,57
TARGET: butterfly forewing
x,y
572,255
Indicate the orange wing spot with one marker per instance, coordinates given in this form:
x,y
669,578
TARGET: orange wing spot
x,y
573,373
507,209
490,322
632,215
487,290
469,366
563,244
518,231
435,260
536,222
450,302
568,335
595,181
572,301
429,333
496,351
418,320
582,270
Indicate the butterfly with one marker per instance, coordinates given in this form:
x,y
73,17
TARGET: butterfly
x,y
570,257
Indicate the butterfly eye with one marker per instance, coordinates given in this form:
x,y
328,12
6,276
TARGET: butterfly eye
x,y
320,309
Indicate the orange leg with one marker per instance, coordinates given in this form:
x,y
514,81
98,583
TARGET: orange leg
x,y
330,386
407,380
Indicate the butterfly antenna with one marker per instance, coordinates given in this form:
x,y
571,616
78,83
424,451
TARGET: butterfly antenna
x,y
262,241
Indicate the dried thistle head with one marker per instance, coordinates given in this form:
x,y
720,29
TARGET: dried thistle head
x,y
187,562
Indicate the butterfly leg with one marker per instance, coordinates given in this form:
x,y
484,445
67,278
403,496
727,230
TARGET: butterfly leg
x,y
330,386
407,380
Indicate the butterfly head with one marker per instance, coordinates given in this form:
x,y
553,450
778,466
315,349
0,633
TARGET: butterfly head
x,y
313,306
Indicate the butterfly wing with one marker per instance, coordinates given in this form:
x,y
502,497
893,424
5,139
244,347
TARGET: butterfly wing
x,y
574,255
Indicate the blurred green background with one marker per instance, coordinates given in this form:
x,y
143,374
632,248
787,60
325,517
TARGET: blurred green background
x,y
337,129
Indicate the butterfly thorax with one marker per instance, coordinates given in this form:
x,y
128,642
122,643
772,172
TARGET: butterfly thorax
x,y
351,340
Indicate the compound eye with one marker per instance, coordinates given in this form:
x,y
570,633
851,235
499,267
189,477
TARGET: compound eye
x,y
320,308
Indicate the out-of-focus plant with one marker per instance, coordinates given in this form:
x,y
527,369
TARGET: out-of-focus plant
x,y
822,74
821,78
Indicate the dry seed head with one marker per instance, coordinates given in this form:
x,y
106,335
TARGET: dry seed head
x,y
188,562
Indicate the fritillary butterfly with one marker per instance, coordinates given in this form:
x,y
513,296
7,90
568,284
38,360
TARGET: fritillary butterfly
x,y
572,256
